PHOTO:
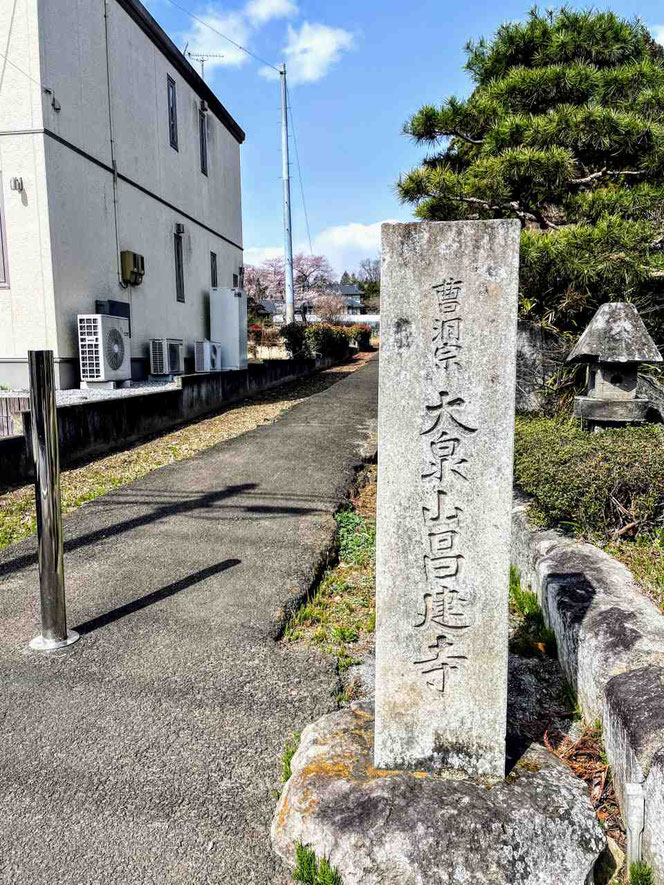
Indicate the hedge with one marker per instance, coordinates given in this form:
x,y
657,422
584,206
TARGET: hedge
x,y
609,483
331,342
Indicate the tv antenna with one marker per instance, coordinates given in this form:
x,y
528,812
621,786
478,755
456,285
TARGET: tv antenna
x,y
202,57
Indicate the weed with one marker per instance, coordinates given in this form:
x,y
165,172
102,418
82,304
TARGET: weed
x,y
641,874
311,871
571,703
290,749
341,612
532,637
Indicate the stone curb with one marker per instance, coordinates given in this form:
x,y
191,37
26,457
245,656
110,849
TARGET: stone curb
x,y
611,647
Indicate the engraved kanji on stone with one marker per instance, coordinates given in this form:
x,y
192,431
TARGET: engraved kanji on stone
x,y
438,568
438,514
437,666
446,407
444,450
449,608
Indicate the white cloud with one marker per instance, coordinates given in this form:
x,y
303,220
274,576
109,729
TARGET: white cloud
x,y
344,245
240,25
658,33
261,11
311,51
256,255
202,40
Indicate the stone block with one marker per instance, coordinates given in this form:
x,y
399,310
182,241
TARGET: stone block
x,y
382,827
445,429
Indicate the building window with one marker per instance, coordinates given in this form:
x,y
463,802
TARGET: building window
x,y
236,280
172,113
179,267
214,279
4,266
202,129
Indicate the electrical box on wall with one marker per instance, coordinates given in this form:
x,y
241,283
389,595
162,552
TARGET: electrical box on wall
x,y
133,268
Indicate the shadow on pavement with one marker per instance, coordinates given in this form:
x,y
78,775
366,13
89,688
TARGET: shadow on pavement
x,y
166,509
170,590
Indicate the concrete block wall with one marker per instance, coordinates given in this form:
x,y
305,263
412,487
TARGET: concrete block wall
x,y
91,429
611,647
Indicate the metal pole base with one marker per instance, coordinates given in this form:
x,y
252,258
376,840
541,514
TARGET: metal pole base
x,y
41,644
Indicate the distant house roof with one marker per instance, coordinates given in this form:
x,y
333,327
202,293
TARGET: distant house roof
x,y
269,306
343,289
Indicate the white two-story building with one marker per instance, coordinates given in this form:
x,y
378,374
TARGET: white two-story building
x,y
110,142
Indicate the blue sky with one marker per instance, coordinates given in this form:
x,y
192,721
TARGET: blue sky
x,y
357,70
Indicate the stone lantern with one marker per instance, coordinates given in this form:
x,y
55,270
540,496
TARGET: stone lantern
x,y
613,345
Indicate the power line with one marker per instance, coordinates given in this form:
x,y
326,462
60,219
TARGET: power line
x,y
299,171
21,71
214,30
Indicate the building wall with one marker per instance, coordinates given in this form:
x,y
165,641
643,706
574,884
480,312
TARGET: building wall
x,y
27,313
157,186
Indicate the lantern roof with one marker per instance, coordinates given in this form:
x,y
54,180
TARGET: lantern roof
x,y
616,334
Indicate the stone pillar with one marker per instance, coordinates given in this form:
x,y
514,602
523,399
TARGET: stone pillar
x,y
445,436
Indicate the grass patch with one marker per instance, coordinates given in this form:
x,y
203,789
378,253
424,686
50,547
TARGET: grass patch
x,y
342,611
290,749
82,484
312,871
641,874
531,637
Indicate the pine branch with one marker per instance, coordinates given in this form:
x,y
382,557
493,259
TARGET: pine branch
x,y
521,213
467,138
605,173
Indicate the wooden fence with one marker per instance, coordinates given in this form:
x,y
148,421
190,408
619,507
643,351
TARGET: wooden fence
x,y
10,407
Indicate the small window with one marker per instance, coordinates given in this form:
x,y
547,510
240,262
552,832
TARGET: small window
x,y
236,281
214,279
4,266
202,129
179,267
172,113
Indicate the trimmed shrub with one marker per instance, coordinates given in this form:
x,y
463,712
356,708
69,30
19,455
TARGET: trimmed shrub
x,y
360,333
329,341
295,340
609,483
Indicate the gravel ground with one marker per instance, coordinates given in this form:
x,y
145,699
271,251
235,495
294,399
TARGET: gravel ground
x,y
71,397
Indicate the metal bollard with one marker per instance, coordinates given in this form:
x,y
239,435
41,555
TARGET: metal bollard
x,y
44,425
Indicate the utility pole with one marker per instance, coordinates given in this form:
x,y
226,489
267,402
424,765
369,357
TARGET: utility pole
x,y
288,234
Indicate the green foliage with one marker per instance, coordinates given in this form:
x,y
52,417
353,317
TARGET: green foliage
x,y
592,483
290,749
564,131
641,874
295,340
327,340
532,637
357,537
360,333
312,871
571,703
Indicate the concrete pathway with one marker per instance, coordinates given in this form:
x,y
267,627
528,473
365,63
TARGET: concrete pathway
x,y
147,752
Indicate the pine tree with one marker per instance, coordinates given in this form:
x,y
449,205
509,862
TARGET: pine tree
x,y
564,130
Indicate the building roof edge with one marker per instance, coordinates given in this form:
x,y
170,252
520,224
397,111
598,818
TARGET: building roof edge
x,y
163,42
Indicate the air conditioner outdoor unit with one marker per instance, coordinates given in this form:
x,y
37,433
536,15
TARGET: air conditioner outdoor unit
x,y
166,356
228,324
207,356
104,347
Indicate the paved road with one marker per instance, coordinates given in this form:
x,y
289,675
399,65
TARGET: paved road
x,y
147,752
